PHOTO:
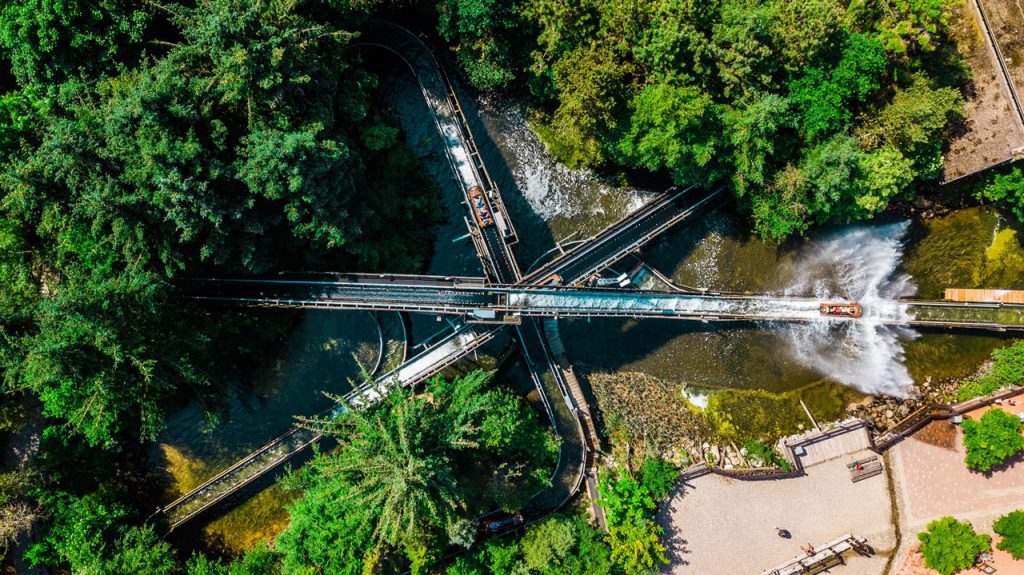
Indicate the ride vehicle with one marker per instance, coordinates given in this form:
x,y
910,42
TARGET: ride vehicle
x,y
497,524
841,309
481,207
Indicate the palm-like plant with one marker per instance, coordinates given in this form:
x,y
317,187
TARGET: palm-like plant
x,y
394,457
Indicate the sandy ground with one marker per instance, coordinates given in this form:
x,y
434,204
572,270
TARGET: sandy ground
x,y
993,130
932,481
718,525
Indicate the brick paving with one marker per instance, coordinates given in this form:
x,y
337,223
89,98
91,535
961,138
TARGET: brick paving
x,y
932,481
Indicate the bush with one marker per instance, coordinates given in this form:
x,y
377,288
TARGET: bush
x,y
950,545
1011,527
993,440
658,476
770,457
1007,369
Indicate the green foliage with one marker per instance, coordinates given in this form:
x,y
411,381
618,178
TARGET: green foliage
x,y
825,97
50,43
950,545
629,506
483,34
908,25
1006,189
247,143
1011,528
407,473
993,440
658,476
804,106
673,128
89,534
766,454
915,122
559,545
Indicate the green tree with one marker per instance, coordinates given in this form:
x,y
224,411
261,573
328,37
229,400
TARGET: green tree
x,y
1007,189
90,535
636,547
950,545
673,128
742,41
908,25
405,475
546,545
914,123
50,43
1011,528
992,440
753,130
484,34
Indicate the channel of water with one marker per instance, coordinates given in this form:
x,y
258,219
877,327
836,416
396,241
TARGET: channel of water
x,y
550,203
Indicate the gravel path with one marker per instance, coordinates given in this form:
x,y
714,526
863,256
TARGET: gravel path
x,y
718,525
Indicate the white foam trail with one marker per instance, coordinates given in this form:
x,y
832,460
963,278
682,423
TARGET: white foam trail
x,y
856,264
552,189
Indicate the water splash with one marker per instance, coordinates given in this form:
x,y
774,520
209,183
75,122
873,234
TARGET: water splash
x,y
551,189
856,264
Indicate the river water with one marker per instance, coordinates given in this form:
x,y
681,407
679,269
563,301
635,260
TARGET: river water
x,y
548,204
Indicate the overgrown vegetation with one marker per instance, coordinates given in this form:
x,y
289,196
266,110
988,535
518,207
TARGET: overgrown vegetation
x,y
558,545
766,455
813,112
992,440
411,474
1007,369
949,545
147,143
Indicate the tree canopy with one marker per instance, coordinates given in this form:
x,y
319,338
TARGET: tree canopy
x,y
412,472
812,112
950,545
992,440
149,143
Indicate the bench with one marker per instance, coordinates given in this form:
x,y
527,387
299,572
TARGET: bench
x,y
852,464
870,469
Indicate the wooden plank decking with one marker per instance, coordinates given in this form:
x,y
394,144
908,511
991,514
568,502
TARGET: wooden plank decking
x,y
985,295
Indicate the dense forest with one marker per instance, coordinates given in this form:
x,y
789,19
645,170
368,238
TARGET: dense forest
x,y
811,112
146,143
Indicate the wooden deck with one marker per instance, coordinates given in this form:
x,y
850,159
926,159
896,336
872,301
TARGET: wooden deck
x,y
985,295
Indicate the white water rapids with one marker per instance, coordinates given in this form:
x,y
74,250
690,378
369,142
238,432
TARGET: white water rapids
x,y
856,264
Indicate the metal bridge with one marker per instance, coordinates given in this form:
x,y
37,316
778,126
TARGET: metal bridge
x,y
471,300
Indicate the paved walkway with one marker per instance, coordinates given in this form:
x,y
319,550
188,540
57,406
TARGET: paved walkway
x,y
931,481
721,526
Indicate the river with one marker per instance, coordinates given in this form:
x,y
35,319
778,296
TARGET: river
x,y
550,203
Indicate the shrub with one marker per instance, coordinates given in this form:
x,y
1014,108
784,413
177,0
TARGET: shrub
x,y
992,440
950,545
658,476
1007,369
768,455
1011,527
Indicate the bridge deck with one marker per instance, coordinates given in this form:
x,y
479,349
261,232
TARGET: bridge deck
x,y
514,302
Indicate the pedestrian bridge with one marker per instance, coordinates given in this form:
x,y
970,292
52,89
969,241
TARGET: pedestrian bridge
x,y
473,301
